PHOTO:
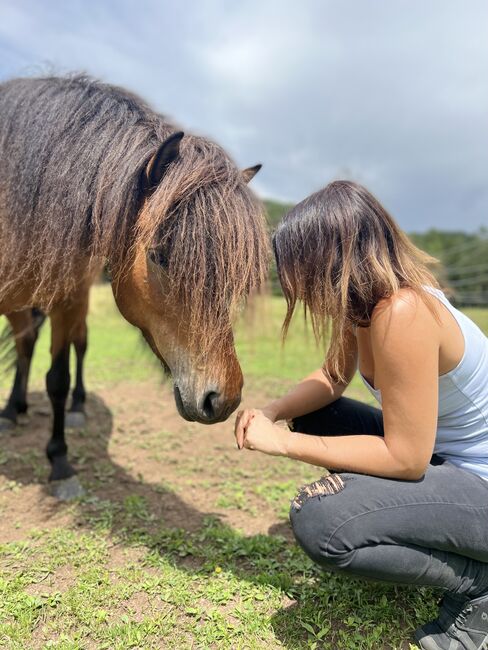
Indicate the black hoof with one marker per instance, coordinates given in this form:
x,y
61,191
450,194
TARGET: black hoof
x,y
6,425
60,469
74,420
66,489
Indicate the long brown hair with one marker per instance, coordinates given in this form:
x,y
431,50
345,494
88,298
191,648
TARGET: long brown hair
x,y
340,252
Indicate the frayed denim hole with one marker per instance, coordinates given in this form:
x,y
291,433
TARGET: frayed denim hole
x,y
324,486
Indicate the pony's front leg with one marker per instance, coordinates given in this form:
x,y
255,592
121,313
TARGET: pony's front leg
x,y
65,485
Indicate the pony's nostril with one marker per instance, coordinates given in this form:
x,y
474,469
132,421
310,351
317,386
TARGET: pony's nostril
x,y
210,405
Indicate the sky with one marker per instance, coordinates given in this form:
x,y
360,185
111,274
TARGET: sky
x,y
390,93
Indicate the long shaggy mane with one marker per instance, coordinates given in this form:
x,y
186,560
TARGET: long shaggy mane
x,y
73,152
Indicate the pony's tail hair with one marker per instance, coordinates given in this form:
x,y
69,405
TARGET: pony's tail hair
x,y
8,351
8,355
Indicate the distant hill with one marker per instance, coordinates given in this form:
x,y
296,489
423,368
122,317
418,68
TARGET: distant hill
x,y
463,257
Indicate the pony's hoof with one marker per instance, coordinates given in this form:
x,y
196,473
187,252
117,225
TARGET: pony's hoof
x,y
74,420
6,425
66,489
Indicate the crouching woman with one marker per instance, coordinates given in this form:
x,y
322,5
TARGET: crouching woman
x,y
407,499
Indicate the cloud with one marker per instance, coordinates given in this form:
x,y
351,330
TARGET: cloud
x,y
392,94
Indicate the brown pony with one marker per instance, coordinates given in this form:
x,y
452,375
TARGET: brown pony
x,y
90,174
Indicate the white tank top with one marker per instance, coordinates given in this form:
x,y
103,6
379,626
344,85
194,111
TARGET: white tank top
x,y
462,422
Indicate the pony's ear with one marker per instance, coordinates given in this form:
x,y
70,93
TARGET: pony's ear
x,y
250,172
167,152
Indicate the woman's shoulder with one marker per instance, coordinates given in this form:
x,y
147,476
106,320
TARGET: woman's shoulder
x,y
405,301
406,311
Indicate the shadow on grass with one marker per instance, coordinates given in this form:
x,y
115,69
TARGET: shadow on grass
x,y
325,609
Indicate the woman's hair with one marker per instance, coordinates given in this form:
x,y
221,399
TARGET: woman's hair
x,y
340,252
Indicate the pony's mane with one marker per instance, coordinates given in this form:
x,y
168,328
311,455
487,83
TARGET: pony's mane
x,y
72,156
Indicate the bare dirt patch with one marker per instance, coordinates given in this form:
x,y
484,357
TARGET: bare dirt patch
x,y
137,451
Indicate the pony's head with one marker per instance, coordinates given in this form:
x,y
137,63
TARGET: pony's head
x,y
200,248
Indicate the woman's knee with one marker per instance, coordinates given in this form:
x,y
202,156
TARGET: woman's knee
x,y
315,514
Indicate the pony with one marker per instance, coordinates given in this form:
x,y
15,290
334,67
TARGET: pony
x,y
91,175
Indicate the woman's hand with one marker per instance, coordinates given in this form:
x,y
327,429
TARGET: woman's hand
x,y
254,430
244,418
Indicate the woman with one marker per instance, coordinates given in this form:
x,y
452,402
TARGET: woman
x,y
408,499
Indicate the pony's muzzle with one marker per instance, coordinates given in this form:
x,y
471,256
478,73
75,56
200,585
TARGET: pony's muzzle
x,y
210,408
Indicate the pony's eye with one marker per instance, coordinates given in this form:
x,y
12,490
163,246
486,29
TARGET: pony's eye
x,y
158,256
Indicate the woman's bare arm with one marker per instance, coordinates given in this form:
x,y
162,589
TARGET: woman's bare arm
x,y
405,341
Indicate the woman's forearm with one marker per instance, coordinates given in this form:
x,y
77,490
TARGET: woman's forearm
x,y
363,454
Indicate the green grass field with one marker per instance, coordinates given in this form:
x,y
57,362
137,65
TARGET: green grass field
x,y
181,542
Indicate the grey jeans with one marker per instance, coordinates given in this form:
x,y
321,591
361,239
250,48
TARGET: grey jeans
x,y
433,531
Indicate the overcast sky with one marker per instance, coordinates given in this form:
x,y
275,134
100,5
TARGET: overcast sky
x,y
393,93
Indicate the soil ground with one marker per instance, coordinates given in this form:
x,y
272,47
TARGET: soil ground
x,y
134,443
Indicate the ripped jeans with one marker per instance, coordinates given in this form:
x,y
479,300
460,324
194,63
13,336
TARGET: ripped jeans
x,y
433,531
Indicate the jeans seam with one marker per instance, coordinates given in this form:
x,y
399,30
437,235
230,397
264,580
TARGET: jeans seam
x,y
402,505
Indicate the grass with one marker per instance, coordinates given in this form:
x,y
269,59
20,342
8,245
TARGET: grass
x,y
232,595
117,573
